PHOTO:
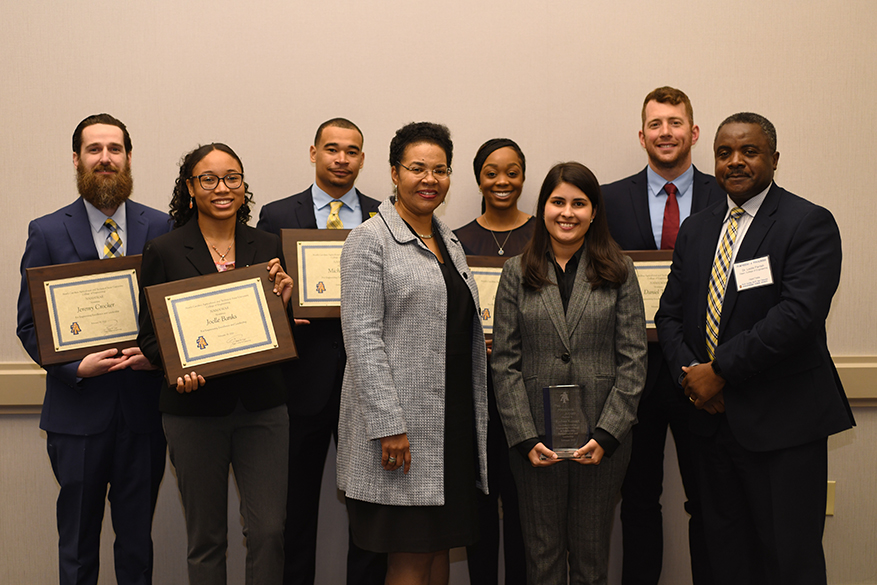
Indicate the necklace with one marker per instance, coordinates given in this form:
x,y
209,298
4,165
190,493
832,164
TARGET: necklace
x,y
425,236
220,254
501,250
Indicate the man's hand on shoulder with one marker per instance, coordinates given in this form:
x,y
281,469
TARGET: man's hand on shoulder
x,y
701,384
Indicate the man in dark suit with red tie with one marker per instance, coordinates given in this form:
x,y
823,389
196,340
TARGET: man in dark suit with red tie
x,y
742,324
100,413
645,211
315,378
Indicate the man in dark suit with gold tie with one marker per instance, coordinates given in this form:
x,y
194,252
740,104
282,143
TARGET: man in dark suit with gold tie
x,y
742,324
645,211
332,202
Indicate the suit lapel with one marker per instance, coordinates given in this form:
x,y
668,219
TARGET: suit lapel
x,y
581,294
758,229
245,247
458,259
365,206
137,228
79,231
699,192
704,258
550,296
197,252
639,202
304,211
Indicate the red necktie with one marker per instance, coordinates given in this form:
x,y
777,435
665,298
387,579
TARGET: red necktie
x,y
671,219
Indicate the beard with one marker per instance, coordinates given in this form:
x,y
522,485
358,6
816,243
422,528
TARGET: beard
x,y
105,192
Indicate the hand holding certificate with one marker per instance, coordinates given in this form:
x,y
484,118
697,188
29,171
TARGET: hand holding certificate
x,y
84,308
221,323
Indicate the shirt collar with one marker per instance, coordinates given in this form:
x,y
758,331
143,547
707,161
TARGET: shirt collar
x,y
97,218
683,182
322,199
752,206
577,255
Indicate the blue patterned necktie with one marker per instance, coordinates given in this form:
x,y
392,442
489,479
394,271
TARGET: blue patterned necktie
x,y
113,243
719,282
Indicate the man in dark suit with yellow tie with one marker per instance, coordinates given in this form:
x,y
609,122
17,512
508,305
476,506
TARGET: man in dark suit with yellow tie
x,y
742,323
645,211
332,202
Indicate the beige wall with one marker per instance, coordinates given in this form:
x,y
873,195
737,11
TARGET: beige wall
x,y
564,78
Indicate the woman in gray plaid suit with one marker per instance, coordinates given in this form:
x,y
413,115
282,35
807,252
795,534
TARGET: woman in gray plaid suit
x,y
569,311
413,426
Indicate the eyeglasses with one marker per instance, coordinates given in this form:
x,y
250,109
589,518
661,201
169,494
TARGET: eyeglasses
x,y
211,182
420,172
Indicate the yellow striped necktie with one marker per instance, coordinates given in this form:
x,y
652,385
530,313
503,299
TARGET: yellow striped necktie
x,y
113,243
719,282
334,222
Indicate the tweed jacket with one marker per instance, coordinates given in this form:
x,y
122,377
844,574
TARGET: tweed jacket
x,y
394,319
600,343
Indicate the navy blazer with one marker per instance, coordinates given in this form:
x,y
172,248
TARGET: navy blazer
x,y
183,253
312,378
782,388
627,207
627,211
86,406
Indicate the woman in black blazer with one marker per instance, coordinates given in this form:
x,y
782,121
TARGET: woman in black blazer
x,y
239,419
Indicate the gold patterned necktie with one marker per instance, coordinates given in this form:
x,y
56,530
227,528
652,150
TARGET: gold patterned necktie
x,y
719,282
334,222
113,243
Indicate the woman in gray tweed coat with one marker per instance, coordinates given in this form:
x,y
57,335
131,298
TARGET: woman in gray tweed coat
x,y
413,426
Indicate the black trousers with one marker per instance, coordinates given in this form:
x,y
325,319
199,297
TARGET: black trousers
x,y
309,438
641,518
764,512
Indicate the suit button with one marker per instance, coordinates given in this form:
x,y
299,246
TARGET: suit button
x,y
565,358
466,275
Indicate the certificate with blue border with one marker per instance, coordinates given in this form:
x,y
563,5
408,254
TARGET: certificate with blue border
x,y
314,261
486,270
220,323
84,307
652,268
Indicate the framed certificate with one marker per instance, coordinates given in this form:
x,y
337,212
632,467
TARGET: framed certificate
x,y
652,268
486,270
314,261
220,323
84,307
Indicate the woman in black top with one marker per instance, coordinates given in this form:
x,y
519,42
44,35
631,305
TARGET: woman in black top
x,y
239,419
501,230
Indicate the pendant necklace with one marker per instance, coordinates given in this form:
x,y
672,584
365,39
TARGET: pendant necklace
x,y
220,254
501,251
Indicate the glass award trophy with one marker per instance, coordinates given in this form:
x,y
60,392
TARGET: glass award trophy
x,y
566,425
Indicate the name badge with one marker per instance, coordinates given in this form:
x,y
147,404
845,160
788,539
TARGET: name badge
x,y
753,273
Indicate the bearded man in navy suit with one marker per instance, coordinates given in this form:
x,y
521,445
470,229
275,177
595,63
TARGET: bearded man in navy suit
x,y
100,413
742,323
643,215
315,378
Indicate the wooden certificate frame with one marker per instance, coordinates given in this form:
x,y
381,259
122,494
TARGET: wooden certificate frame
x,y
171,305
640,258
51,339
302,288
